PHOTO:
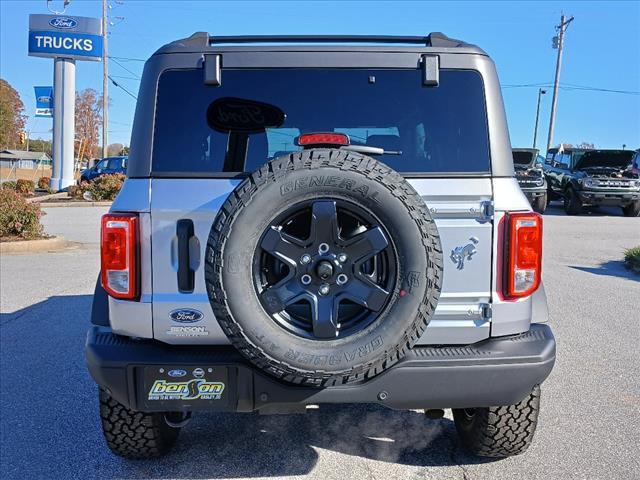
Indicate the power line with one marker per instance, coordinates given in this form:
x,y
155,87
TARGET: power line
x,y
121,87
124,77
570,86
125,68
129,59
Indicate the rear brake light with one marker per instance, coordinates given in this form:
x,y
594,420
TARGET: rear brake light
x,y
524,249
118,254
309,139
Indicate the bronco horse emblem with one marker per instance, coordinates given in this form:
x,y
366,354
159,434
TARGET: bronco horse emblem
x,y
460,254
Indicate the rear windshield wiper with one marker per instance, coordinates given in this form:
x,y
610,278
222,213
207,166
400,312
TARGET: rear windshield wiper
x,y
371,150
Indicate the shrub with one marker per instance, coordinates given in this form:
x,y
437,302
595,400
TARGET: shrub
x,y
25,187
105,187
18,218
9,185
43,183
632,259
76,191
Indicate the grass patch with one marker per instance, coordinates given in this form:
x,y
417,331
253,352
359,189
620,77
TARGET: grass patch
x,y
632,259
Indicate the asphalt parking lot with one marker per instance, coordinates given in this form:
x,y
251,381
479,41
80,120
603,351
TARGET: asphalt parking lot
x,y
589,424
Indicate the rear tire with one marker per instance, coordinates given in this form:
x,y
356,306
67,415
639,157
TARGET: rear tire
x,y
540,204
572,203
499,431
632,210
135,435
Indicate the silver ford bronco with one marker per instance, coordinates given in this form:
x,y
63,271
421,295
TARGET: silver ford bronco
x,y
320,219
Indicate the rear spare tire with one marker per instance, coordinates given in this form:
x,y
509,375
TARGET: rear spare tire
x,y
323,267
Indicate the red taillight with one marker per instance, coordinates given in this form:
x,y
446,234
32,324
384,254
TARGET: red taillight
x,y
309,139
118,253
524,249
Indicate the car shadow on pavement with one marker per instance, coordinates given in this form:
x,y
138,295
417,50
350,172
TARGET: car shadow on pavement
x,y
612,268
54,415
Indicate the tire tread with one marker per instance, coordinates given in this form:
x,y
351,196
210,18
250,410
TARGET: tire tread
x,y
134,435
500,431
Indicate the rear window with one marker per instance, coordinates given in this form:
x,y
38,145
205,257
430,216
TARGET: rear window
x,y
427,129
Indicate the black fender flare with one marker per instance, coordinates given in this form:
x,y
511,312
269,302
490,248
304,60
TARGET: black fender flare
x,y
100,306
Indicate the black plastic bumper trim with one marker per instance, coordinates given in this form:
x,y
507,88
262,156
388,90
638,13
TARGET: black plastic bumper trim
x,y
496,371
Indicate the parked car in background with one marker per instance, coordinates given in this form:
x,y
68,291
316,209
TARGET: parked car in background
x,y
106,166
528,166
593,177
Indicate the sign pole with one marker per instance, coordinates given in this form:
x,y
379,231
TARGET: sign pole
x,y
64,96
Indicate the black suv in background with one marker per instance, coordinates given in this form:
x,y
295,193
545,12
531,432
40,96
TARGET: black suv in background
x,y
584,177
528,166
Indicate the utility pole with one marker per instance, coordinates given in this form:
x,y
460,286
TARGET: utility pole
x,y
105,82
535,129
558,42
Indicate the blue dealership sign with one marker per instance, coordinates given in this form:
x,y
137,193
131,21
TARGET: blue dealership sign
x,y
81,46
44,101
53,36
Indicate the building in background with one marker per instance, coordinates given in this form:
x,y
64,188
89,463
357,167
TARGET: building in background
x,y
16,164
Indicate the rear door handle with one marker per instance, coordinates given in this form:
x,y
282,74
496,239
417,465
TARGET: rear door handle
x,y
186,275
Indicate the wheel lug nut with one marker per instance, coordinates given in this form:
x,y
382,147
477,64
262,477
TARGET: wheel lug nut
x,y
305,259
342,257
342,279
324,289
323,248
305,279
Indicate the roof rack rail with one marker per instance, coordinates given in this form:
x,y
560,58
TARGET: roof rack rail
x,y
435,39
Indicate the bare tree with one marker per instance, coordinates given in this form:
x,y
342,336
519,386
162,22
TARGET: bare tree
x,y
115,149
12,117
88,121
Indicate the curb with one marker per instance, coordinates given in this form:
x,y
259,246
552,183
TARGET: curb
x,y
44,198
74,204
34,246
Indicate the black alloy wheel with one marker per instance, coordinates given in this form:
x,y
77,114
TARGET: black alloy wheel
x,y
325,269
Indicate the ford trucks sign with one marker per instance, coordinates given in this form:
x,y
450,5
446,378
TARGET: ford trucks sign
x,y
78,38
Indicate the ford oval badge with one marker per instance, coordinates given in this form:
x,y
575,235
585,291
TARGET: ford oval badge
x,y
177,373
63,23
186,315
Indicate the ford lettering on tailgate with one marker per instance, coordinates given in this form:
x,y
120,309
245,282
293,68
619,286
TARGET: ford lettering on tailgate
x,y
186,315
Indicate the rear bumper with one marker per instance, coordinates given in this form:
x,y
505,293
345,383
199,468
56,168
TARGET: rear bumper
x,y
497,371
610,198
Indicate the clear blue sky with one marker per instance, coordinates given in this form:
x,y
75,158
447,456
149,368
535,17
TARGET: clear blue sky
x,y
602,50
